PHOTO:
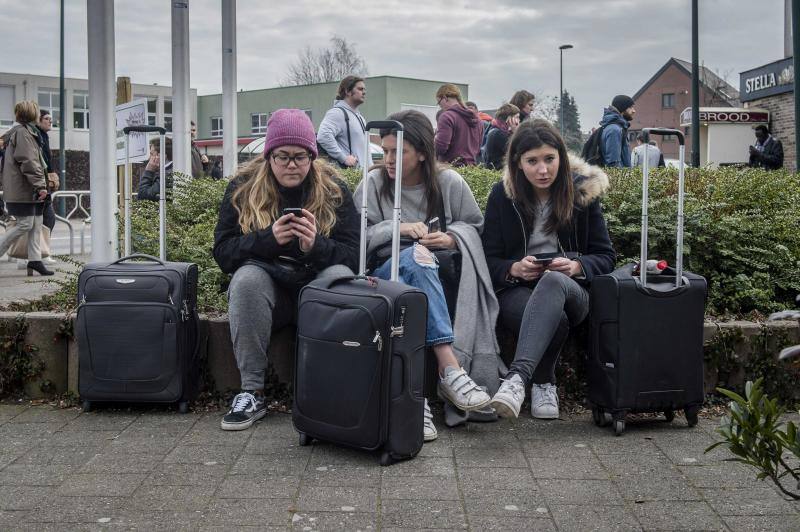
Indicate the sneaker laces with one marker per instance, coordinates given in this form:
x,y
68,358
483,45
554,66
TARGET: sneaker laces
x,y
428,414
515,387
548,395
242,401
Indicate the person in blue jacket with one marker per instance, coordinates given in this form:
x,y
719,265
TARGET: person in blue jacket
x,y
544,238
615,123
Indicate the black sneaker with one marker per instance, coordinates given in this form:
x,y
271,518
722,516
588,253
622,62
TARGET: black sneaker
x,y
246,409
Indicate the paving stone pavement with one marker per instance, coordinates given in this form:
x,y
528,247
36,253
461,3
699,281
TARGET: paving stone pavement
x,y
152,469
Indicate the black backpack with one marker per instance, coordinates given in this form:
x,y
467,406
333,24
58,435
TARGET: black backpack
x,y
592,151
324,154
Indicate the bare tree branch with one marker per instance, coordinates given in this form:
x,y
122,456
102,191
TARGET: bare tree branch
x,y
324,65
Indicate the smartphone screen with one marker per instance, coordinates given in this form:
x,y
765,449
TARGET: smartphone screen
x,y
433,225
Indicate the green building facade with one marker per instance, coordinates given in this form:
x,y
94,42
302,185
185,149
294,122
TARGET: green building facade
x,y
385,95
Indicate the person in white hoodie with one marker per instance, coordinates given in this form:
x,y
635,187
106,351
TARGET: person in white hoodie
x,y
341,134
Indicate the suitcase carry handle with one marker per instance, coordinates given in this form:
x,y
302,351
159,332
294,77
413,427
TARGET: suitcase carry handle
x,y
138,256
397,127
645,197
162,189
329,282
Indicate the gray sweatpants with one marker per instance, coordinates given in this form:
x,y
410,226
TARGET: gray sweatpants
x,y
257,305
542,317
30,225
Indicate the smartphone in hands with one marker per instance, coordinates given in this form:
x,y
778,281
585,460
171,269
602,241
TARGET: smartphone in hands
x,y
434,226
544,261
296,211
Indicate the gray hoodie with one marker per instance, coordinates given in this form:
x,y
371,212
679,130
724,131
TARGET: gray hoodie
x,y
332,133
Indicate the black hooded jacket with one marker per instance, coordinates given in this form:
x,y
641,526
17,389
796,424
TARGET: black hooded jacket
x,y
505,237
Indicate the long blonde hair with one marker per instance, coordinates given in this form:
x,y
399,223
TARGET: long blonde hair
x,y
257,199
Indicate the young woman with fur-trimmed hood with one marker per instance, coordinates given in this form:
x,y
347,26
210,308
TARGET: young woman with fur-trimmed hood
x,y
545,238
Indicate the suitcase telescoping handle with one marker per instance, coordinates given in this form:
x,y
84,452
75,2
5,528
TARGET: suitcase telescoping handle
x,y
645,196
397,127
162,194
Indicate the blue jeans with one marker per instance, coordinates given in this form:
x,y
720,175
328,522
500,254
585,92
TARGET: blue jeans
x,y
418,268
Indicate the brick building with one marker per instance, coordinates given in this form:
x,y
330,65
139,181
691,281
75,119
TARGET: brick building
x,y
771,87
664,96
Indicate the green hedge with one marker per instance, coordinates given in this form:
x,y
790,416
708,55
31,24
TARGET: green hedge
x,y
742,230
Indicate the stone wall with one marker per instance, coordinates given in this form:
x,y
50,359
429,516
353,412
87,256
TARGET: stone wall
x,y
781,112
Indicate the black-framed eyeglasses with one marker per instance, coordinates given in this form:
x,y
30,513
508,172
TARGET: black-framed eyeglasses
x,y
301,159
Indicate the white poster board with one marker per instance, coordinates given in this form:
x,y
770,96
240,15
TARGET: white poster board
x,y
133,113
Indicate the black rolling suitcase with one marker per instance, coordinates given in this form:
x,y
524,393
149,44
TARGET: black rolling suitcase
x,y
360,361
137,323
646,339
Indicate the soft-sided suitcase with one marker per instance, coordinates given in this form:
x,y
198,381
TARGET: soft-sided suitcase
x,y
360,361
137,323
646,332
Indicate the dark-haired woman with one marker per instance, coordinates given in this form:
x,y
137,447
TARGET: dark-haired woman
x,y
426,189
253,232
545,239
341,133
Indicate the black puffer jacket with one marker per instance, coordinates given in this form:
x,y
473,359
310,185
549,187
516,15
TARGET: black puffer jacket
x,y
232,248
505,238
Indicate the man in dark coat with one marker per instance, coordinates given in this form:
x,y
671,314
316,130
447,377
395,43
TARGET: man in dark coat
x,y
768,151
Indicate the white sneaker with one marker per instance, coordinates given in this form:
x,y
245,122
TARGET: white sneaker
x,y
22,264
544,401
458,388
429,432
508,399
49,260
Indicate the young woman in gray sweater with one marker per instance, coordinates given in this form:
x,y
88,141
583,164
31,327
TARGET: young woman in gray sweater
x,y
427,190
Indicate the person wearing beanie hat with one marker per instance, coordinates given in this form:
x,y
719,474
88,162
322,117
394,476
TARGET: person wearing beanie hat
x,y
286,219
614,137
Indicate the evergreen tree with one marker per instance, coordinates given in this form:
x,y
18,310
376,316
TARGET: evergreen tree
x,y
572,124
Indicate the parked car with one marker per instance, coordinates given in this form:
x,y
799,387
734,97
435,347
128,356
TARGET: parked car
x,y
256,147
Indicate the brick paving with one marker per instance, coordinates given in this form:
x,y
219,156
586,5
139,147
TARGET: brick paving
x,y
152,469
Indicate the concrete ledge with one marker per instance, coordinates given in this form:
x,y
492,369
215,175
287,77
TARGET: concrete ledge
x,y
61,356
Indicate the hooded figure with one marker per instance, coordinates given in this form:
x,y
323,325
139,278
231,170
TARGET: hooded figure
x,y
615,123
458,129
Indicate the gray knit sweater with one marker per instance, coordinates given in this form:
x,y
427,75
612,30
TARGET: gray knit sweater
x,y
460,206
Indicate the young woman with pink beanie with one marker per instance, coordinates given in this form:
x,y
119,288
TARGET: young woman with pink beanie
x,y
285,220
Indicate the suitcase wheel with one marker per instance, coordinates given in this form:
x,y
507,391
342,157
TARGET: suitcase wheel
x,y
86,406
619,426
601,418
691,415
386,459
305,439
670,415
183,407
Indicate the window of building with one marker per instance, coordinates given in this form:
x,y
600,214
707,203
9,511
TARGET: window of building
x,y
80,110
668,100
152,110
48,99
6,106
168,114
258,123
216,126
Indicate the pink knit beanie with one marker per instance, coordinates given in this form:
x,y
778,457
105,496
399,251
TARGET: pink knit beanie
x,y
290,127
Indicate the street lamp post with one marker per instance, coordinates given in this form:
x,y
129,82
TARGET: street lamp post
x,y
561,77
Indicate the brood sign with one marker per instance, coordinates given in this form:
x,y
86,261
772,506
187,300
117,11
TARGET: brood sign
x,y
726,116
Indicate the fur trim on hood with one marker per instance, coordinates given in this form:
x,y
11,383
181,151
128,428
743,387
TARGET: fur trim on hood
x,y
591,182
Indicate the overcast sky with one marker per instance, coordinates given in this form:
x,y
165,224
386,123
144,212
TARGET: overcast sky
x,y
496,46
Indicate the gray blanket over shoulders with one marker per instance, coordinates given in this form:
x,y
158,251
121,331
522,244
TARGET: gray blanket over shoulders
x,y
476,316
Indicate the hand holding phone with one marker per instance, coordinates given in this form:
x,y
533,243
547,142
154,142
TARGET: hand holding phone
x,y
296,211
544,262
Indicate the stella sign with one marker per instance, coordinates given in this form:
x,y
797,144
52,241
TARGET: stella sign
x,y
769,80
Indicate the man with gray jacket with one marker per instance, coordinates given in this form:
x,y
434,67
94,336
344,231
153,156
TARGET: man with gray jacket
x,y
341,133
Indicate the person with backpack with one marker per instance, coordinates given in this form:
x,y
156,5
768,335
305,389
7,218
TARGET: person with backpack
x,y
505,122
285,220
614,132
545,239
23,173
341,136
439,212
458,129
